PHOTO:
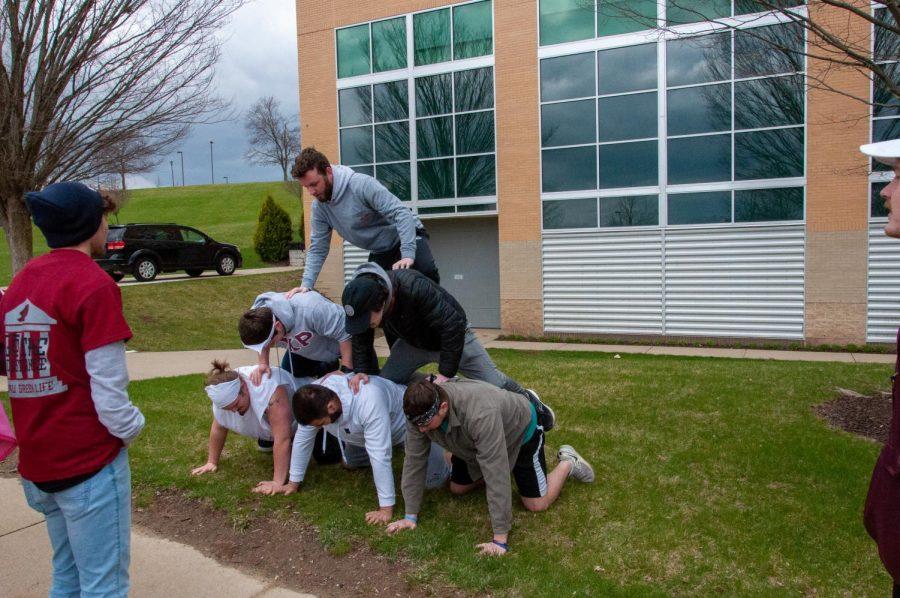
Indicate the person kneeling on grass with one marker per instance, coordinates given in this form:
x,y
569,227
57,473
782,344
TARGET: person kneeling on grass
x,y
368,425
262,412
490,431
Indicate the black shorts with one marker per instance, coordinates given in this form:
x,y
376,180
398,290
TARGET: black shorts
x,y
530,470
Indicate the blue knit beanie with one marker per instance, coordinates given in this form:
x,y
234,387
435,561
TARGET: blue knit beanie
x,y
67,213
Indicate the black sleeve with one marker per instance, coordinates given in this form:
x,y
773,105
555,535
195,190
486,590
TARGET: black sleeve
x,y
365,361
445,317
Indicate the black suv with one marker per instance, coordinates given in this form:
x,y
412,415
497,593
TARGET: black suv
x,y
145,250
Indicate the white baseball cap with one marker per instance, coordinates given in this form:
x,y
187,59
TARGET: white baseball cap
x,y
886,152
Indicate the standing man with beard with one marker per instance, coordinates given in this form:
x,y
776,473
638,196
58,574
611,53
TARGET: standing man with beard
x,y
364,213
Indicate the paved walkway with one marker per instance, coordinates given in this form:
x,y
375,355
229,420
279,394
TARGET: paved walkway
x,y
182,277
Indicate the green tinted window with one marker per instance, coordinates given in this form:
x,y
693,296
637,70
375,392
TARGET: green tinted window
x,y
636,210
475,133
396,178
473,30
392,142
436,179
434,137
356,146
629,165
770,102
768,50
474,89
703,109
700,208
569,169
624,16
704,159
434,95
628,117
389,45
878,209
568,123
476,176
391,101
768,205
693,11
570,213
565,21
771,154
431,36
355,106
353,51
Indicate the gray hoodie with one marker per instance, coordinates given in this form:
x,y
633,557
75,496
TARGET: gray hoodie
x,y
314,326
365,214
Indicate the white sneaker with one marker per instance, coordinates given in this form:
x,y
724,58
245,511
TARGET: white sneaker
x,y
581,469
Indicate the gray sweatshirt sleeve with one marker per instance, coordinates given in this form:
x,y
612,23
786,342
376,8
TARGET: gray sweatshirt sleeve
x,y
331,321
387,204
109,384
319,244
415,466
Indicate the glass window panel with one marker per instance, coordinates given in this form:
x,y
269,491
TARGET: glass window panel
x,y
703,109
768,154
438,210
693,11
391,101
567,77
473,30
475,133
396,178
768,205
353,51
434,137
477,207
886,103
637,210
887,45
704,159
356,146
700,208
476,176
434,95
392,142
885,129
771,102
698,59
431,36
632,68
569,169
435,179
624,16
565,21
474,89
629,165
743,7
568,123
367,170
878,209
768,50
570,213
389,45
355,106
628,117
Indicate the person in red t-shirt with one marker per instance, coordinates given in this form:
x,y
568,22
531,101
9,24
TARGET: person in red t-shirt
x,y
64,350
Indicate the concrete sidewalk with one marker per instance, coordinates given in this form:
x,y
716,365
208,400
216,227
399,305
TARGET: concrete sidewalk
x,y
159,567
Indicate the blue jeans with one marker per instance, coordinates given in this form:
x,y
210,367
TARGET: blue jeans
x,y
90,531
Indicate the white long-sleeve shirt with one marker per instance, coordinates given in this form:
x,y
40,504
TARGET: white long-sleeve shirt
x,y
109,391
372,419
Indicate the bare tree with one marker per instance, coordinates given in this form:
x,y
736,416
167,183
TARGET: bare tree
x,y
136,154
274,139
79,77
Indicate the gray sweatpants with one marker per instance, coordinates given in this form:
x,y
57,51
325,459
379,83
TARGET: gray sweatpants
x,y
475,364
436,475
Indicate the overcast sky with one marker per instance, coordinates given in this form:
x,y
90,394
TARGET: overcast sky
x,y
259,58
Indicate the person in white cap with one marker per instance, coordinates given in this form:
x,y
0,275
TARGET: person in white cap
x,y
262,412
882,510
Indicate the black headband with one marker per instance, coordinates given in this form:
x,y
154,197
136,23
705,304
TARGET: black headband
x,y
423,418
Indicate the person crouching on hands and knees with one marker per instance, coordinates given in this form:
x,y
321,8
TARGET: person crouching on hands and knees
x,y
262,412
490,432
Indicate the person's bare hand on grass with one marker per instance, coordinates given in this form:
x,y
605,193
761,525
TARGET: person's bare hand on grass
x,y
400,524
270,488
208,468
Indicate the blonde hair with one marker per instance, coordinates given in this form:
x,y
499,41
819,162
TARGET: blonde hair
x,y
220,373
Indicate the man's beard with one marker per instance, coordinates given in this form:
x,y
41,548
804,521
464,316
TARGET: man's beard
x,y
329,187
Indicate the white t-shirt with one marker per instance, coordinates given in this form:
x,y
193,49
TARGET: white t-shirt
x,y
254,423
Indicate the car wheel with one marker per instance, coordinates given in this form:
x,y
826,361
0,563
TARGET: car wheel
x,y
225,264
145,269
194,273
117,276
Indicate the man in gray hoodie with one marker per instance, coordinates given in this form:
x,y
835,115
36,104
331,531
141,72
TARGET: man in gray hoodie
x,y
364,213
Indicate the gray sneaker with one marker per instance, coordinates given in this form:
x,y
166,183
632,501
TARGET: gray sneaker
x,y
581,469
546,416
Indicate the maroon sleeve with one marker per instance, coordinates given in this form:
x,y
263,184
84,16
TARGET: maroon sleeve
x,y
101,318
2,337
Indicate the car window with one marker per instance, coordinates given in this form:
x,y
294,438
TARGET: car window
x,y
169,233
192,236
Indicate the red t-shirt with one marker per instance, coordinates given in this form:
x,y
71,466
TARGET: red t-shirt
x,y
59,307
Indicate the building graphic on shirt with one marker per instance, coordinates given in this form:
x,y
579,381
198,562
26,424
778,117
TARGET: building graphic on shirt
x,y
27,345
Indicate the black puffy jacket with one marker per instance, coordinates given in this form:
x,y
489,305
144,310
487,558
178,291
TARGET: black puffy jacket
x,y
424,315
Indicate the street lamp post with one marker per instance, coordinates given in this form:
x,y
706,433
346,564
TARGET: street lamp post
x,y
226,180
172,166
212,177
181,155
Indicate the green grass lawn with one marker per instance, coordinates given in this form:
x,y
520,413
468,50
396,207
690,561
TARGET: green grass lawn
x,y
713,477
227,213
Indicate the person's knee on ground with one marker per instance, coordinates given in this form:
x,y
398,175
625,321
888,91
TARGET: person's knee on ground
x,y
460,489
537,504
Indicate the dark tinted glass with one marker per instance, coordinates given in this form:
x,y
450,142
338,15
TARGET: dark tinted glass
x,y
885,129
472,30
369,170
435,179
434,95
434,137
703,109
629,165
391,101
768,205
698,59
638,210
886,103
632,68
768,50
476,176
570,213
567,77
624,16
565,21
437,210
569,169
396,178
431,35
768,154
887,44
770,102
392,142
477,207
355,106
474,89
356,146
568,123
704,159
353,51
628,117
693,11
700,208
878,209
743,7
389,45
475,133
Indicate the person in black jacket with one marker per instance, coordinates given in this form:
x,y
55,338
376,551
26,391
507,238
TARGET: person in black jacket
x,y
429,326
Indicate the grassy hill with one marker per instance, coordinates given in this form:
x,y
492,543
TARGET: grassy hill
x,y
227,213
